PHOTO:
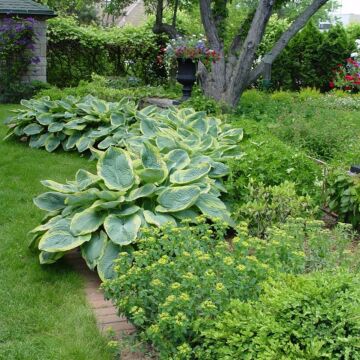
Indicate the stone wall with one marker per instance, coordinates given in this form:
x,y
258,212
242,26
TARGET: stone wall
x,y
38,71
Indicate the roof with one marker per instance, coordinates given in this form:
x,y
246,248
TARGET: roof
x,y
25,7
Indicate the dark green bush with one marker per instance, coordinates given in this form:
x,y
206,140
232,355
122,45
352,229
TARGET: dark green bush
x,y
271,162
178,277
75,52
313,316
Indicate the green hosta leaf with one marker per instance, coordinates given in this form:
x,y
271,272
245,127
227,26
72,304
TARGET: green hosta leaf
x,y
82,198
38,141
106,143
85,179
148,127
152,175
50,201
55,127
200,124
129,210
177,159
72,140
94,249
143,191
105,264
109,204
158,219
124,230
52,142
55,241
117,119
84,143
177,198
190,175
49,257
45,119
116,169
218,170
165,144
187,214
213,207
53,185
87,221
33,129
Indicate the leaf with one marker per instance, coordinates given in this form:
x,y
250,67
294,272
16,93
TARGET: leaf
x,y
37,141
50,201
49,257
55,127
117,119
158,219
148,127
122,231
143,191
63,188
94,249
55,241
84,143
85,179
177,198
115,168
213,207
129,210
218,170
105,265
190,175
45,119
52,142
82,198
33,129
177,159
87,221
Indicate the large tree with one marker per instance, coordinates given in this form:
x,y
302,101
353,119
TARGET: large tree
x,y
239,65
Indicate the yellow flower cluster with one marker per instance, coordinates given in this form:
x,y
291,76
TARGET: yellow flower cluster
x,y
184,297
252,258
220,286
188,276
208,305
163,260
156,282
175,286
228,260
241,267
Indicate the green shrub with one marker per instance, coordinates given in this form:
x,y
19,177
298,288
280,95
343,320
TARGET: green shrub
x,y
297,317
343,197
271,205
75,52
179,278
271,162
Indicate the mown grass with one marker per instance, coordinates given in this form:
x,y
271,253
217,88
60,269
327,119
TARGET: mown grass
x,y
43,311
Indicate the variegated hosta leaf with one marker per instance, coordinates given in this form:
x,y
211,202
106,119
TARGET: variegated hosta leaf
x,y
122,230
105,265
190,175
177,198
115,168
87,221
94,249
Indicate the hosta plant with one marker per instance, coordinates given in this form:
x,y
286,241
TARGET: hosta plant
x,y
73,123
138,187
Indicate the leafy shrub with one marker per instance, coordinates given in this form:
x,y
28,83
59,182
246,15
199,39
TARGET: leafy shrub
x,y
297,317
269,161
343,197
173,170
73,123
270,205
180,278
75,52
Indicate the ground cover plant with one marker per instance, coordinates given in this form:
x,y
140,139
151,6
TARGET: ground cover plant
x,y
180,279
44,313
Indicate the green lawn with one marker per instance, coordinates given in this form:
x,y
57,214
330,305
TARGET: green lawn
x,y
43,311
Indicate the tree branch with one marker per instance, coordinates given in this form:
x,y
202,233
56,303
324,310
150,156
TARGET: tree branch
x,y
160,27
209,25
285,38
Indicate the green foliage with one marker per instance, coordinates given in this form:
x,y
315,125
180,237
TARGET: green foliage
x,y
271,162
180,278
75,52
171,171
310,57
16,43
297,317
73,123
271,205
112,90
343,197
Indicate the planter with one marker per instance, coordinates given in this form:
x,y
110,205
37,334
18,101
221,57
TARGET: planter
x,y
186,76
